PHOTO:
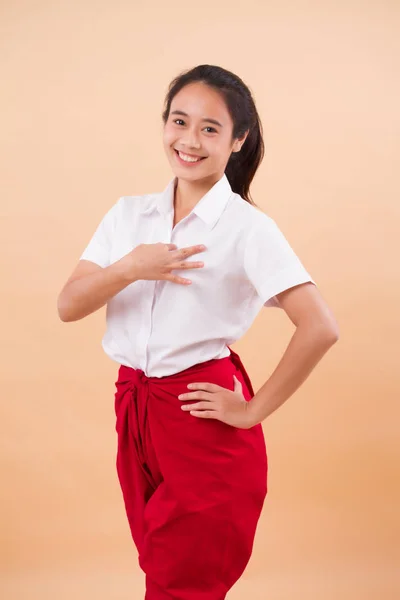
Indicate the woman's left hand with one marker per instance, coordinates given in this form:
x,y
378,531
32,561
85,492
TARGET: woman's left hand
x,y
219,403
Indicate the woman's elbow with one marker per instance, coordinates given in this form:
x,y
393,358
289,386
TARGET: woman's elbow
x,y
328,332
332,334
323,331
64,309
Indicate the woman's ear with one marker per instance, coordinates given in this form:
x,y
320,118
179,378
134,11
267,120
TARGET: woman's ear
x,y
239,142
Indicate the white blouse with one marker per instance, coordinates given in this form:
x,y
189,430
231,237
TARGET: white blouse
x,y
163,327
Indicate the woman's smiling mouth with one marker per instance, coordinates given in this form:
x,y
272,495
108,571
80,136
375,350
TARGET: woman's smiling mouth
x,y
188,159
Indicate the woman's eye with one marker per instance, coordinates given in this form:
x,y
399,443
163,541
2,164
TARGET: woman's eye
x,y
213,130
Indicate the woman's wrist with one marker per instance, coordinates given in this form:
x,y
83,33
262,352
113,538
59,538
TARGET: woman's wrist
x,y
125,271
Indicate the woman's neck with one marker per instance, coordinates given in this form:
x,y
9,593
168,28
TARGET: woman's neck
x,y
187,194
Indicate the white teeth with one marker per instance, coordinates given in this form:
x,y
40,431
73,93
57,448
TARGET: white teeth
x,y
187,158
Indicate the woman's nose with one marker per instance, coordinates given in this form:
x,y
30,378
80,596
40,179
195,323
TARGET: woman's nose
x,y
191,140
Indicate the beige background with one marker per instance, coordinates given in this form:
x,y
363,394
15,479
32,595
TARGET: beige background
x,y
82,91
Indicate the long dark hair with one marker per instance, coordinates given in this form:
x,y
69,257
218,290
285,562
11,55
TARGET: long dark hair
x,y
242,165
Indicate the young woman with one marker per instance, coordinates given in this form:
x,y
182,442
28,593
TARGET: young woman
x,y
184,273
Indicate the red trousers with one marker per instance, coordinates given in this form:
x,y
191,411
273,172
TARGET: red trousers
x,y
193,488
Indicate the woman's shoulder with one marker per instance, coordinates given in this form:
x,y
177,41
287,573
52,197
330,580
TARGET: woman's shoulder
x,y
135,203
250,214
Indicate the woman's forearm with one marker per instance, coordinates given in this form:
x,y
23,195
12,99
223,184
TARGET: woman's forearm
x,y
84,295
305,349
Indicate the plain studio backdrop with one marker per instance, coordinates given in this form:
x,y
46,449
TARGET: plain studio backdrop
x,y
83,85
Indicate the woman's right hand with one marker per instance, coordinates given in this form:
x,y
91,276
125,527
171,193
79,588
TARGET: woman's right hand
x,y
156,261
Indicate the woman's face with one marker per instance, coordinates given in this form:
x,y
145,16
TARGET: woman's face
x,y
199,127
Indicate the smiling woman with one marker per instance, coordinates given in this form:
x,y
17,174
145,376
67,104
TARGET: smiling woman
x,y
211,131
192,460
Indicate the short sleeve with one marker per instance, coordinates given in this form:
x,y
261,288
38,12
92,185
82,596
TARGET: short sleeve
x,y
98,249
270,262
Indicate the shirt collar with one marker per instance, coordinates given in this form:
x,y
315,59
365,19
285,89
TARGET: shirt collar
x,y
209,208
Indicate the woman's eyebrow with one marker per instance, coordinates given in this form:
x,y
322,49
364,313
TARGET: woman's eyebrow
x,y
209,120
